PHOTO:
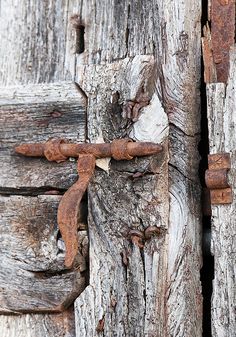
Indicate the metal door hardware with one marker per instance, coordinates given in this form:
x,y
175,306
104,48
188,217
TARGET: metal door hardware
x,y
60,150
216,178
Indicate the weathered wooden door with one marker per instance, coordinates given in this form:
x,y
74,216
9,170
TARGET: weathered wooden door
x,y
96,71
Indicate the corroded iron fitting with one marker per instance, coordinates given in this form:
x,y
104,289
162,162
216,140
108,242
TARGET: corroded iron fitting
x,y
59,150
216,178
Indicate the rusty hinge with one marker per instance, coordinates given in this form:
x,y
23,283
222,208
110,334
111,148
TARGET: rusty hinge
x,y
59,150
216,178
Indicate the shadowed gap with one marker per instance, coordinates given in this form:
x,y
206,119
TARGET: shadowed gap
x,y
207,271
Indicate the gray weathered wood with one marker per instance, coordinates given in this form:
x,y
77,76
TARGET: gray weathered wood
x,y
222,138
131,49
32,272
35,44
38,46
43,325
35,113
137,49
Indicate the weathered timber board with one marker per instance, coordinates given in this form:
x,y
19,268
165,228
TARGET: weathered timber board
x,y
38,325
35,113
221,102
120,271
32,273
38,43
155,291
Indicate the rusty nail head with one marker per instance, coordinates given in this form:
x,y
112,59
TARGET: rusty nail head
x,y
151,231
137,237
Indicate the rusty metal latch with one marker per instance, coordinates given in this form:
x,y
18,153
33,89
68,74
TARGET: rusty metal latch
x,y
216,178
60,150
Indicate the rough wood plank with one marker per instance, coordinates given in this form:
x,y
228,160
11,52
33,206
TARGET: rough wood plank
x,y
32,272
38,44
126,278
36,47
59,325
35,113
149,292
221,122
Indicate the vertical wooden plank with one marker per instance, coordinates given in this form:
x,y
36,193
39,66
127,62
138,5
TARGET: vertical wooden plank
x,y
221,122
154,291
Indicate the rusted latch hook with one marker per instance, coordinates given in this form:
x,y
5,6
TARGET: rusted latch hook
x,y
59,150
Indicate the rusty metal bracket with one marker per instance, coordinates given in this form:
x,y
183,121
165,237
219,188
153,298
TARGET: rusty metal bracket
x,y
218,40
216,178
60,150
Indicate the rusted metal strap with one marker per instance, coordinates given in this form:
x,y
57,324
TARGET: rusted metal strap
x,y
216,45
223,34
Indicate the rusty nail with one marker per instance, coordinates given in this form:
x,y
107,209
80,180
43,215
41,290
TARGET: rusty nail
x,y
151,231
137,237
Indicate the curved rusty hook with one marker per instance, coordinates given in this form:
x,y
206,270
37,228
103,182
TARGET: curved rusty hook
x,y
68,209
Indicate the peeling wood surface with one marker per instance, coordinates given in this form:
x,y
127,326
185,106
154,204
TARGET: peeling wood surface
x,y
35,113
221,123
154,291
32,273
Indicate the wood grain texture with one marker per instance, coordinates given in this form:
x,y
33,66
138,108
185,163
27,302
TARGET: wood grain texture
x,y
221,123
37,47
34,36
35,113
157,291
131,49
32,273
43,325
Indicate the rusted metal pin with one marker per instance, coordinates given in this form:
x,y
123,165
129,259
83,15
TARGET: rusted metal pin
x,y
59,150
